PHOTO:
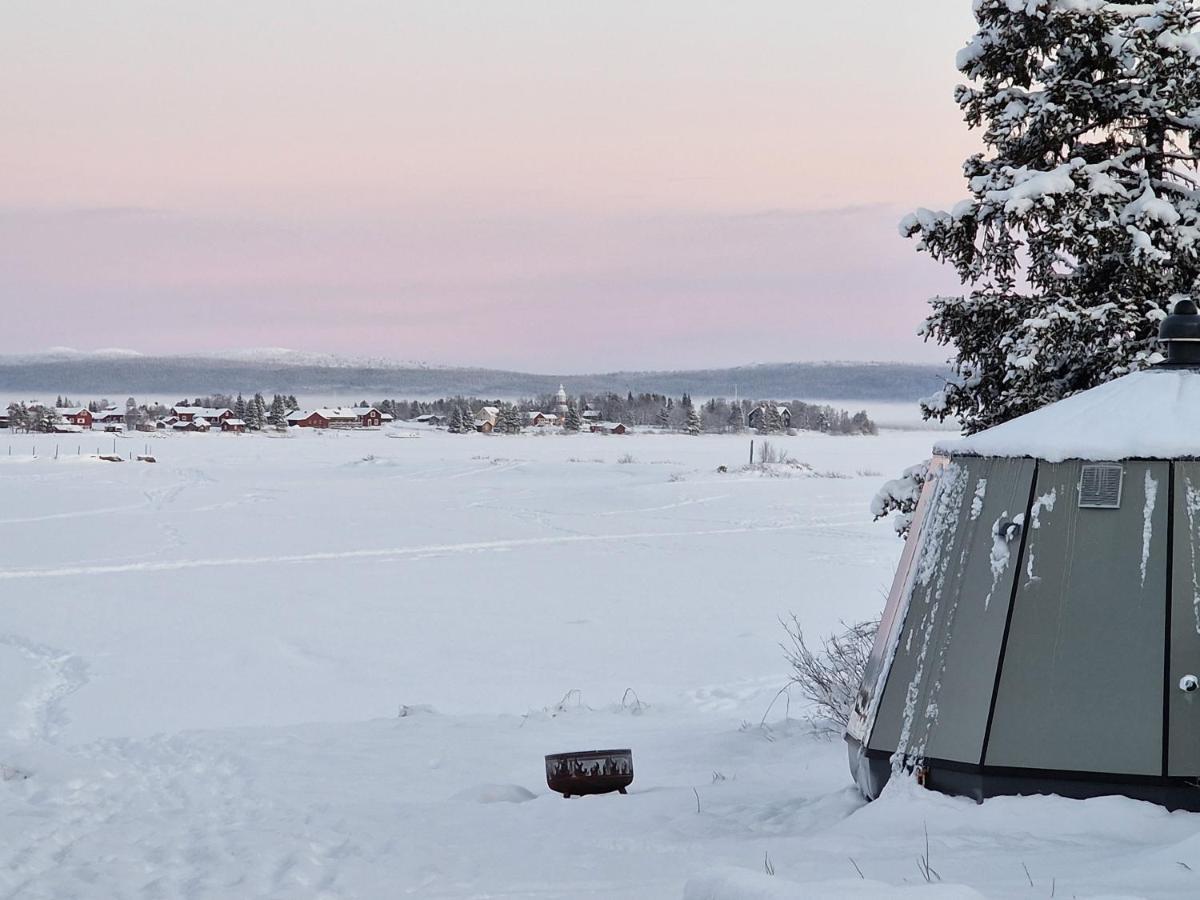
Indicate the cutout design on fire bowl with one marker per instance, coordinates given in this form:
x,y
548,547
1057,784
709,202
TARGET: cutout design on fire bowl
x,y
589,772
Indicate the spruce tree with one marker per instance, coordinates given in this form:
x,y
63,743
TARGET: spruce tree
x,y
1083,218
693,425
761,420
455,423
256,416
239,408
573,421
774,419
510,419
277,417
663,419
133,415
737,417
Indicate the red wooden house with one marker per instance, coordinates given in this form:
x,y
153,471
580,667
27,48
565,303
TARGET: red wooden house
x,y
78,415
312,419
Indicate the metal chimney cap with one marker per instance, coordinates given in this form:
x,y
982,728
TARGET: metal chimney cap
x,y
1180,333
1183,324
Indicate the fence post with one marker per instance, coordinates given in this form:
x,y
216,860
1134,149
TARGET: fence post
x,y
751,451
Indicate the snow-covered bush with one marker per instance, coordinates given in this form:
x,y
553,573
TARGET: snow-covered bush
x,y
830,675
1083,214
900,496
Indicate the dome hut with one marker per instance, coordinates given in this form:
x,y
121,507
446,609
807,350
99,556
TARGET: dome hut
x,y
1042,634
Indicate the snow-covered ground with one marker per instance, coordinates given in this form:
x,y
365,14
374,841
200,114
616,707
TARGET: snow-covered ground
x,y
329,664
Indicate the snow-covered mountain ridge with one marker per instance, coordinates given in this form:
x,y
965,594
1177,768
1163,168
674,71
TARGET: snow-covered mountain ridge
x,y
125,372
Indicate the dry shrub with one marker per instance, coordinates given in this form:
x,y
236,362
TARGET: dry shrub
x,y
830,675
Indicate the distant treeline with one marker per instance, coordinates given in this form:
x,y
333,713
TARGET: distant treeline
x,y
715,415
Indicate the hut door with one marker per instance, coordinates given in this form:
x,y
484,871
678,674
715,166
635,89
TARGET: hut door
x,y
1183,706
1081,682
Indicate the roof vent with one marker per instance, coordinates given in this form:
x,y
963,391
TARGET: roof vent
x,y
1100,486
1180,332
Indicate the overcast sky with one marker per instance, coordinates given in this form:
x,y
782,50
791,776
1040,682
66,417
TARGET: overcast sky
x,y
552,185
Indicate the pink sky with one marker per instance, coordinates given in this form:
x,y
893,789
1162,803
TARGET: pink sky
x,y
547,186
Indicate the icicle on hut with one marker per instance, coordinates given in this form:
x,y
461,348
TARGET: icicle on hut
x,y
1042,634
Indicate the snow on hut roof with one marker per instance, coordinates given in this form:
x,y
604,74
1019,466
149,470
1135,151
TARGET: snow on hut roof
x,y
1152,414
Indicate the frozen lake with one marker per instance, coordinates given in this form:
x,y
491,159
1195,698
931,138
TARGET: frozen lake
x,y
202,663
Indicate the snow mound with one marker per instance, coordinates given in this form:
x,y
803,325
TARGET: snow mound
x,y
408,710
495,793
742,884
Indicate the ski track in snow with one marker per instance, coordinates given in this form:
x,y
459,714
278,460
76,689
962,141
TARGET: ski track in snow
x,y
78,514
384,553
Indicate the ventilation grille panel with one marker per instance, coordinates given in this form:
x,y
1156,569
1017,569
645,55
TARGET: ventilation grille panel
x,y
1100,486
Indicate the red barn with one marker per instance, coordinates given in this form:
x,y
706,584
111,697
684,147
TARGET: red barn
x,y
77,415
308,420
370,418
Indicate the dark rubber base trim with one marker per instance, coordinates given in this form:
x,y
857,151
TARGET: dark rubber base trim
x,y
872,769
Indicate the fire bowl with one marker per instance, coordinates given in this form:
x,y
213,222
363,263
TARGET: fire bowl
x,y
589,772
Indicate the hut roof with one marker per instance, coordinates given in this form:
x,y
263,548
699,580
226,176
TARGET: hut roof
x,y
1152,414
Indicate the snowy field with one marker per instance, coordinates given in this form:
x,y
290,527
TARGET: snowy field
x,y
328,665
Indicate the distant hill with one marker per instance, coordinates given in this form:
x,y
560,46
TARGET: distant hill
x,y
116,375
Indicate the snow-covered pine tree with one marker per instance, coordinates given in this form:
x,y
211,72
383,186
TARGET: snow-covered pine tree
x,y
573,420
455,423
45,418
774,419
277,417
737,417
663,419
693,425
468,419
758,418
239,408
260,411
133,415
510,419
1084,212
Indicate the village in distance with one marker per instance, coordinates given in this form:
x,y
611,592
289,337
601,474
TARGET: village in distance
x,y
609,413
